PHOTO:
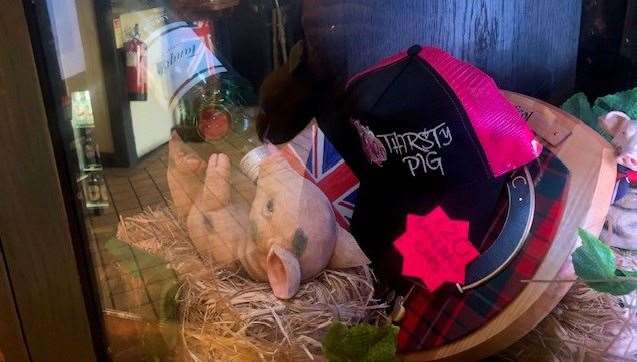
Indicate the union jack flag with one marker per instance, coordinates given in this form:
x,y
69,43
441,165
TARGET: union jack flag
x,y
325,167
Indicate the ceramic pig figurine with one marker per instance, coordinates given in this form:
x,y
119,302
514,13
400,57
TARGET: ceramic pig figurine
x,y
293,231
624,132
288,235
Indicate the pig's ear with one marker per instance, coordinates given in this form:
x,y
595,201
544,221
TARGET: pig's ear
x,y
284,272
347,253
614,121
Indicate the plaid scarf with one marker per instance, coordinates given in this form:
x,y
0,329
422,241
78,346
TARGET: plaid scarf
x,y
434,320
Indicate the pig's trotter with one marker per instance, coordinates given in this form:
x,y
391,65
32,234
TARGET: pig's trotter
x,y
216,188
185,176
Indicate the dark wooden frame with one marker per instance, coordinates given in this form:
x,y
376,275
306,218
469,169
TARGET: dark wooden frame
x,y
118,105
48,308
12,346
44,268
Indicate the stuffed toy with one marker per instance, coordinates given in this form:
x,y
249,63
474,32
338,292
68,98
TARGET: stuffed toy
x,y
290,233
620,229
621,131
291,95
624,133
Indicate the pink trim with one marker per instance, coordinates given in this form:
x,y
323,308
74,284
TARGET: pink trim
x,y
505,137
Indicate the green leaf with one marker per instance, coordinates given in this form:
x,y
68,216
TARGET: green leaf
x,y
161,342
625,101
362,342
579,106
144,262
333,348
385,349
121,254
624,284
593,260
594,263
168,306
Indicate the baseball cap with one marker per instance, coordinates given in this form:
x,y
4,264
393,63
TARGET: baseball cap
x,y
428,116
423,129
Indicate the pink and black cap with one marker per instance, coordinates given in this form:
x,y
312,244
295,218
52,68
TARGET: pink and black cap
x,y
423,115
422,129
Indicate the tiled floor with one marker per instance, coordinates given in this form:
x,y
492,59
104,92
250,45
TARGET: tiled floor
x,y
130,191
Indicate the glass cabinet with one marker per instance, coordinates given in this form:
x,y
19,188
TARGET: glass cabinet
x,y
293,180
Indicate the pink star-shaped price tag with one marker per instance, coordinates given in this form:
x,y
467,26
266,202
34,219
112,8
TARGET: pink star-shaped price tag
x,y
436,249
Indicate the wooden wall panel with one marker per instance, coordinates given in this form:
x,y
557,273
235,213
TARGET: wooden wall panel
x,y
629,43
608,37
33,223
528,46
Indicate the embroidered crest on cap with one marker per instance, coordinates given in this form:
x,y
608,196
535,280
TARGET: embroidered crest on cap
x,y
372,146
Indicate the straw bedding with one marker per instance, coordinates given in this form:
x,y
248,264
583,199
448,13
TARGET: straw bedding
x,y
227,316
585,326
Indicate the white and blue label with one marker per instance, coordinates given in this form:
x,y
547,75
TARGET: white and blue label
x,y
178,59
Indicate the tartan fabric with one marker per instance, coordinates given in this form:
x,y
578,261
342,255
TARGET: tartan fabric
x,y
433,320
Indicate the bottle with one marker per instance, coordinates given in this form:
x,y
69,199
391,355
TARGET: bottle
x,y
213,117
93,192
200,114
203,114
103,190
90,152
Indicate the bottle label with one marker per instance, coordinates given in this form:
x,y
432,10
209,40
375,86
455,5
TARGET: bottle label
x,y
178,59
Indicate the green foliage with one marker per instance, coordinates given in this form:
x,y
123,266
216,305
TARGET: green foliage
x,y
594,263
362,342
161,343
593,260
579,106
167,282
120,254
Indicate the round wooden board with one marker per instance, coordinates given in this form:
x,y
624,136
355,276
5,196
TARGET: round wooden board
x,y
591,162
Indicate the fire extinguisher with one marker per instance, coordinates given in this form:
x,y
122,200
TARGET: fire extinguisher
x,y
136,67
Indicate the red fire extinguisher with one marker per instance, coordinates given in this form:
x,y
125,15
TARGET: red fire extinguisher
x,y
136,68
